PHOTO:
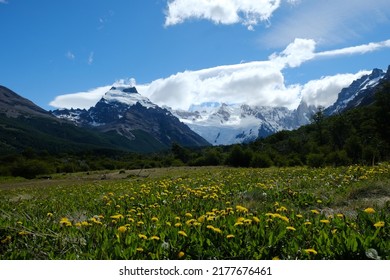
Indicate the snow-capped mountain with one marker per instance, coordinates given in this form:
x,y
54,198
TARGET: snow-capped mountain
x,y
223,124
359,93
126,112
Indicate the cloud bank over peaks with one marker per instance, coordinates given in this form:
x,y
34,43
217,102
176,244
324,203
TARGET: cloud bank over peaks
x,y
247,12
259,83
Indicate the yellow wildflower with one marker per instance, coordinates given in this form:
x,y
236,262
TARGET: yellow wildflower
x,y
379,224
291,228
142,236
65,222
154,219
6,239
276,258
299,216
168,224
230,236
139,249
154,237
325,221
314,211
122,229
311,251
24,233
49,215
117,216
182,232
307,223
240,208
189,215
181,254
256,220
178,225
369,210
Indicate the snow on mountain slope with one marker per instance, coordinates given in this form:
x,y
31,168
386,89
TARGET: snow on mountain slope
x,y
223,124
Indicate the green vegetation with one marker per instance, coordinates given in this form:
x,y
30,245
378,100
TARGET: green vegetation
x,y
201,213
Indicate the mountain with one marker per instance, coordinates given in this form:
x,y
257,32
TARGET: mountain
x,y
122,110
360,93
14,105
223,124
25,125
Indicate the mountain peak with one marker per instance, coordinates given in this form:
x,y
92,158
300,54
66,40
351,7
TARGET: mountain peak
x,y
127,95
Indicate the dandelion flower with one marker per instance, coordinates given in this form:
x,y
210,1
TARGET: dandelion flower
x,y
182,232
256,220
325,221
117,216
217,230
299,216
181,254
154,219
178,225
314,211
6,239
369,210
291,228
139,249
311,251
230,236
142,236
24,233
276,258
122,229
154,237
379,224
307,223
49,215
189,215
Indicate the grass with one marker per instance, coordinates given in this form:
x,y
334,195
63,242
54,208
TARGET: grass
x,y
199,213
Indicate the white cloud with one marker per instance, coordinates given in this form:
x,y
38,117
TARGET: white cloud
x,y
90,58
69,55
253,83
247,12
324,92
328,22
80,100
362,49
296,53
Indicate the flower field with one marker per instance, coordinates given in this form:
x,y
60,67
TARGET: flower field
x,y
203,213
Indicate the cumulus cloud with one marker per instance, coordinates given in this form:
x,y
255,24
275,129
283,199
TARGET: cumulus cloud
x,y
247,12
254,83
324,92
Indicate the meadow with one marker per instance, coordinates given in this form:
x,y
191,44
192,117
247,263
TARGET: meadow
x,y
200,213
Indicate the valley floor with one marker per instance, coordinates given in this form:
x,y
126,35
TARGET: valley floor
x,y
199,213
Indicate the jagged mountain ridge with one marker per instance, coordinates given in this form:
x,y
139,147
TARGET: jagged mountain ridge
x,y
223,124
360,93
124,111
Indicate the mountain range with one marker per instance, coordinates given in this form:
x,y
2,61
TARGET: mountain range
x,y
124,119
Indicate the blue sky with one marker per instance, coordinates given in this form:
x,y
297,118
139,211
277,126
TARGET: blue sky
x,y
183,52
